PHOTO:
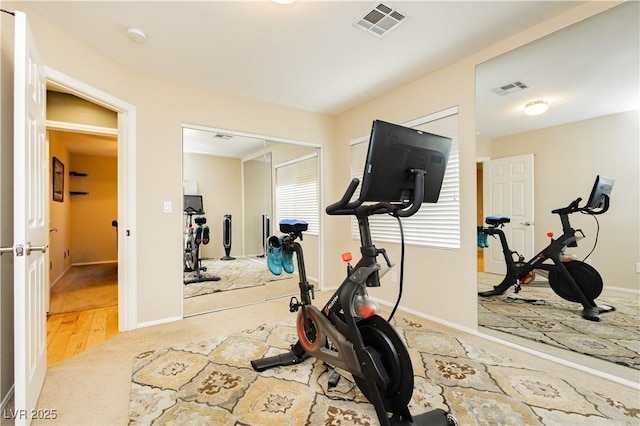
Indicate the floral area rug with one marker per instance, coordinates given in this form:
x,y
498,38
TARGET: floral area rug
x,y
480,382
537,313
242,272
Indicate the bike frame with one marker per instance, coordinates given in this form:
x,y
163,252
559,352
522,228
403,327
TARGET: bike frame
x,y
348,351
518,270
569,238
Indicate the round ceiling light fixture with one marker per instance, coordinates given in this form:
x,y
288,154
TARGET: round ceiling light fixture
x,y
137,35
536,107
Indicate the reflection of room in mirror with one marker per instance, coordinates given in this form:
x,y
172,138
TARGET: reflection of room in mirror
x,y
235,176
588,73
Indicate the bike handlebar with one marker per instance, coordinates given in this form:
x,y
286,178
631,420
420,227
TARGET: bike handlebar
x,y
573,207
344,207
343,204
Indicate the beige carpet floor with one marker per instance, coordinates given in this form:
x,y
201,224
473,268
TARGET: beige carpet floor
x,y
212,382
485,379
85,287
554,321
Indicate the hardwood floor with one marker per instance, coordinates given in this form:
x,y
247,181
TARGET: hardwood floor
x,y
71,333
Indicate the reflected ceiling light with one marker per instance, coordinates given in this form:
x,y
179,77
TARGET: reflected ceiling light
x,y
137,35
536,107
284,1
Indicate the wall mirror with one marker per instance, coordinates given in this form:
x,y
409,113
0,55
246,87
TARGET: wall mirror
x,y
587,73
237,187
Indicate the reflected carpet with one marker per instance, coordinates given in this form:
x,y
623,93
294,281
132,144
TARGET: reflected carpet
x,y
242,272
538,314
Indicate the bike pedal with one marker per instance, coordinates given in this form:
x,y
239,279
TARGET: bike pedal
x,y
294,304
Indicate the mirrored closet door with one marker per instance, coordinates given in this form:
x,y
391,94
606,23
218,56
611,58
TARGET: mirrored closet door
x,y
234,177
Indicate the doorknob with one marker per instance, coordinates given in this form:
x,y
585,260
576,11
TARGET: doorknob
x,y
527,223
4,250
29,248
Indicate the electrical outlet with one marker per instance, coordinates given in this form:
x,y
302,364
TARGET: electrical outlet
x,y
394,277
637,268
167,207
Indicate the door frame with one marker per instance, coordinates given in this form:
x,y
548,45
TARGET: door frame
x,y
127,226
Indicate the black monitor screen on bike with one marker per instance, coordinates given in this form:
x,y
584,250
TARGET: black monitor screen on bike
x,y
393,152
193,204
601,188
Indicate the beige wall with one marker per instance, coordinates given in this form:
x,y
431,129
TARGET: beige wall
x,y
440,282
567,160
59,214
71,109
93,238
219,183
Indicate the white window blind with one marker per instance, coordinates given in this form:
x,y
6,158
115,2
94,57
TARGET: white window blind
x,y
297,194
434,225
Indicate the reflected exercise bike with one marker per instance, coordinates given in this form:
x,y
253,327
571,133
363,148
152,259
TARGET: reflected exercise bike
x,y
404,168
572,280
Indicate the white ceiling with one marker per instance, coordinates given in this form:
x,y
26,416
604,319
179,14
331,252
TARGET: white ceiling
x,y
587,70
201,141
307,55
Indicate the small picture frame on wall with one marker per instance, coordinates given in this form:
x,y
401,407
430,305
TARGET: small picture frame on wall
x,y
57,180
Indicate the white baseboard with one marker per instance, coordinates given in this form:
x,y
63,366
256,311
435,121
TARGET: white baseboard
x,y
621,292
158,322
60,276
102,262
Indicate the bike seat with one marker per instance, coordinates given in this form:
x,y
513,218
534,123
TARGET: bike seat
x,y
294,226
496,220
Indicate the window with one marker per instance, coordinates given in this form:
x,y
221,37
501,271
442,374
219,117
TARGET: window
x,y
434,225
297,194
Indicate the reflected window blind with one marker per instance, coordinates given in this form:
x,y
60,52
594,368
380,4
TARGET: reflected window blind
x,y
434,225
297,194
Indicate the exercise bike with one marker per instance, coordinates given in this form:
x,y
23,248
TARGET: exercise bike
x,y
572,280
194,236
346,333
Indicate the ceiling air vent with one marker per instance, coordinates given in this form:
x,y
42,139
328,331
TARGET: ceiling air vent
x,y
507,89
380,20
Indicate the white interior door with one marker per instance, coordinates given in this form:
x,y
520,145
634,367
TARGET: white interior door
x,y
30,222
508,191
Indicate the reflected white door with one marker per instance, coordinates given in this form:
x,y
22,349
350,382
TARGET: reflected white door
x,y
30,222
508,191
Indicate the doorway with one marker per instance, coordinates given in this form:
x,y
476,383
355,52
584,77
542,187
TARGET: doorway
x,y
83,209
126,188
